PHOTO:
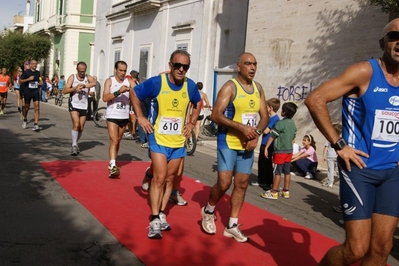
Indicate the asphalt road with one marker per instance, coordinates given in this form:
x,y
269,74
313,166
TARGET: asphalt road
x,y
41,224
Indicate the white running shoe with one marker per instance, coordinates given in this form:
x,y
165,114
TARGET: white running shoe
x,y
208,222
235,233
165,226
154,231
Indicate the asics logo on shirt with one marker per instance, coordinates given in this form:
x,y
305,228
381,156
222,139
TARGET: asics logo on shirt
x,y
378,89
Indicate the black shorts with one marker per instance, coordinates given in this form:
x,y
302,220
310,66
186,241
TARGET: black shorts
x,y
28,97
82,112
120,122
200,118
3,94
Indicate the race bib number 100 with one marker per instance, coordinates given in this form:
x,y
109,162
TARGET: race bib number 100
x,y
170,125
386,126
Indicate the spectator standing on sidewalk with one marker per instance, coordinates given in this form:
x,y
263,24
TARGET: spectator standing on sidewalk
x,y
367,151
239,104
205,104
170,95
97,94
265,165
330,156
281,136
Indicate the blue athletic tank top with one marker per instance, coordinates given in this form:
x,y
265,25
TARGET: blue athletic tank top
x,y
370,123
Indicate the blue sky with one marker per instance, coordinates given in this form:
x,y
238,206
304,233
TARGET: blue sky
x,y
10,8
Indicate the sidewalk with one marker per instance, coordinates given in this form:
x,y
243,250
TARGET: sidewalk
x,y
208,146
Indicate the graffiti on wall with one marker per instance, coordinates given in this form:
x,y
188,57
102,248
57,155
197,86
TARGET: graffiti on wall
x,y
293,93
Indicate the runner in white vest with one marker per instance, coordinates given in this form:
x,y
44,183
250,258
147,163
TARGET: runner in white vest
x,y
116,95
79,86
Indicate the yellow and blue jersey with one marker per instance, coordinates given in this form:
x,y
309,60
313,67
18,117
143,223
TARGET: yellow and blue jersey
x,y
168,108
244,109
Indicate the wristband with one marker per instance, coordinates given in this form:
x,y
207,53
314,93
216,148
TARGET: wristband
x,y
117,93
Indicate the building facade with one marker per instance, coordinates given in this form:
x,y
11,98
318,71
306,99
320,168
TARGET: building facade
x,y
70,25
145,33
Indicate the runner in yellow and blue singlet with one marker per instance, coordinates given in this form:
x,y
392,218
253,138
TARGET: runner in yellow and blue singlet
x,y
170,95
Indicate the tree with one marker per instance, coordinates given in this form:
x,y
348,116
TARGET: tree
x,y
16,48
388,6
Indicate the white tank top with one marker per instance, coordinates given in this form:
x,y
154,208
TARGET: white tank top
x,y
79,100
118,108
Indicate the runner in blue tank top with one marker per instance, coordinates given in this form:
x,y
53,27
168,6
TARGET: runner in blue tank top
x,y
368,151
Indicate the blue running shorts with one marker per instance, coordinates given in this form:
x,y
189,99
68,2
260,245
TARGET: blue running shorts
x,y
170,153
366,191
235,160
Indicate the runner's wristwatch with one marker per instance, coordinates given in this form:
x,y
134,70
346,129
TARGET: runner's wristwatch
x,y
258,131
339,145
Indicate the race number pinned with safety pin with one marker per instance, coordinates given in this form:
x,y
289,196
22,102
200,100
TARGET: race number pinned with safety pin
x,y
170,125
250,119
386,126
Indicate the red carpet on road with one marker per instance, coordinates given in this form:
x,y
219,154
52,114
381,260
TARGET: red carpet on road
x,y
122,207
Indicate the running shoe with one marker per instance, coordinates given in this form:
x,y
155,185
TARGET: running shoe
x,y
154,231
208,222
144,145
254,183
24,123
77,148
127,135
285,194
1,112
328,184
165,226
235,232
178,200
269,195
36,128
145,184
74,150
114,172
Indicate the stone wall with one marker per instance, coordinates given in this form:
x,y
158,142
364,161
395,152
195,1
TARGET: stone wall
x,y
300,44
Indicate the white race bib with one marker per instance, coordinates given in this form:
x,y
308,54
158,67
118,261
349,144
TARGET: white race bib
x,y
250,119
170,125
33,85
386,126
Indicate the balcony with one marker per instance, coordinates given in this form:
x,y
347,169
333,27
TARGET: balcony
x,y
143,5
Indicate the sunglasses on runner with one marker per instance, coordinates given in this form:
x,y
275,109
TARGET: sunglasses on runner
x,y
179,65
393,35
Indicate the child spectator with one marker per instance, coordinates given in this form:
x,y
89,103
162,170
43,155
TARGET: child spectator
x,y
282,134
305,161
295,147
265,165
330,156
